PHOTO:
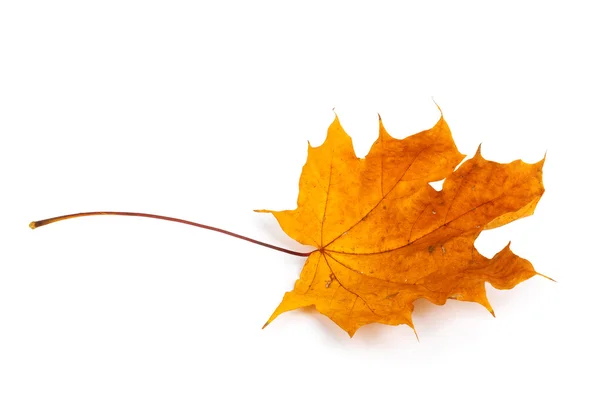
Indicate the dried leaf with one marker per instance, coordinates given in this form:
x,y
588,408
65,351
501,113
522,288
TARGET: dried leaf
x,y
384,237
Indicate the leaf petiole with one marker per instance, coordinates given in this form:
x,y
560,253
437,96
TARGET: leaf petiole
x,y
37,224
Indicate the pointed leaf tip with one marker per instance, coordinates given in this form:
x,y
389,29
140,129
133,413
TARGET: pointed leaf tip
x,y
478,152
545,276
438,107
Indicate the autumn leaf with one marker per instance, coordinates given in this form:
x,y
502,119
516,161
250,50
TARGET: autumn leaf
x,y
385,237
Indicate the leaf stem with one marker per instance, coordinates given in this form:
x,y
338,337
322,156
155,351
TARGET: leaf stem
x,y
37,224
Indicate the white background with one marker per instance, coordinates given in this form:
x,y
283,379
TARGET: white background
x,y
203,111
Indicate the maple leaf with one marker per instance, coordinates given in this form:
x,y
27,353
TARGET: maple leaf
x,y
385,237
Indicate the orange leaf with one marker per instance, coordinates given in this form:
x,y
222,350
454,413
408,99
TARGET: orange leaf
x,y
385,237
